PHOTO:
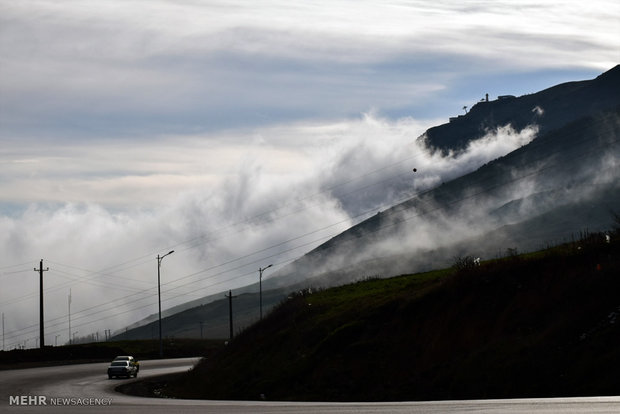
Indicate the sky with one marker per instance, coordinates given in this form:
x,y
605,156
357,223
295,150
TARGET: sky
x,y
238,133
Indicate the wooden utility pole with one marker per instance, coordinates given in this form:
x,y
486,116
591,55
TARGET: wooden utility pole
x,y
41,333
230,312
69,316
260,286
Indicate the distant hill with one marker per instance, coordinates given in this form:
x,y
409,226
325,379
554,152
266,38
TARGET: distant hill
x,y
209,320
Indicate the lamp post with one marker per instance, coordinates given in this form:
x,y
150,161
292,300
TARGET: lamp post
x,y
260,287
159,259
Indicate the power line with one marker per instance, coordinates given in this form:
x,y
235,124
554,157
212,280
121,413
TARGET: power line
x,y
204,238
485,190
535,172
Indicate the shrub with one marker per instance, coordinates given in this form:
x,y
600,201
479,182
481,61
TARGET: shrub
x,y
464,263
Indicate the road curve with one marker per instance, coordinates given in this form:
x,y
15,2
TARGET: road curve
x,y
86,388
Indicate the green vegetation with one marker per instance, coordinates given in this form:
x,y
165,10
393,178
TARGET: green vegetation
x,y
105,351
541,324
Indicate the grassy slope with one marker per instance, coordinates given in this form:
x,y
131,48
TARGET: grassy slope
x,y
535,325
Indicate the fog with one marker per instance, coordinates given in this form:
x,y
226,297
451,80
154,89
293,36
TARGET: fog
x,y
264,210
529,202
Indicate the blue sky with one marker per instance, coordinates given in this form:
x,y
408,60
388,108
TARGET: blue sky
x,y
129,127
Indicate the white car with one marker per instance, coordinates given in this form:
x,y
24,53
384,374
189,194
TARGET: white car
x,y
122,369
128,358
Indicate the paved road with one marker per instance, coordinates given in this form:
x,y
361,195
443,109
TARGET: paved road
x,y
89,385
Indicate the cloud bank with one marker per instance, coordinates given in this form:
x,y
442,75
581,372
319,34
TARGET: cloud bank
x,y
118,69
269,208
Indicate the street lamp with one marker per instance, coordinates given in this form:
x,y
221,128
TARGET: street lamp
x,y
260,286
159,259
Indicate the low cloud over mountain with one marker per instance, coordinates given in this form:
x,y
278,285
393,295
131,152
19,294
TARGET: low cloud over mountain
x,y
562,182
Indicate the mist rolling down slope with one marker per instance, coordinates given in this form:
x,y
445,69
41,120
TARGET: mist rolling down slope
x,y
562,180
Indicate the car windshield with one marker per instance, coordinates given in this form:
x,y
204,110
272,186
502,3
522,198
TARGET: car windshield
x,y
119,364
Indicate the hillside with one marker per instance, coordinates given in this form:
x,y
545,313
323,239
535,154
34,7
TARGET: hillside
x,y
534,325
564,181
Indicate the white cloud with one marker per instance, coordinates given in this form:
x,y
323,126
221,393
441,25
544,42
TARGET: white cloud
x,y
85,68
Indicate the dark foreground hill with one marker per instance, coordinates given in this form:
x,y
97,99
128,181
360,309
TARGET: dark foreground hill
x,y
544,324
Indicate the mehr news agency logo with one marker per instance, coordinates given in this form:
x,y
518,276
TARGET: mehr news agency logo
x,y
38,400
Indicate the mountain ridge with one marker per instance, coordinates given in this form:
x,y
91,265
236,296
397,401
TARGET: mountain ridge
x,y
556,105
562,182
561,170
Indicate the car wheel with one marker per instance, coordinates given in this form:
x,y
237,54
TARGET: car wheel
x,y
109,376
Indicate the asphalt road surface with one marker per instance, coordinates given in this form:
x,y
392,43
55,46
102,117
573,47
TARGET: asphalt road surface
x,y
86,388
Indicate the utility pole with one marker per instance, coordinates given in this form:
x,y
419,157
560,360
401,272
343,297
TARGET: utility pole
x,y
159,259
230,312
260,288
41,331
3,331
69,316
